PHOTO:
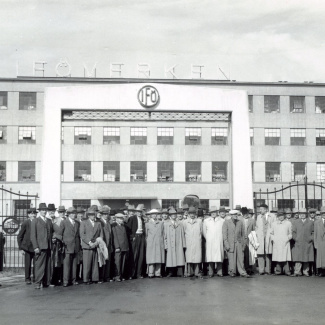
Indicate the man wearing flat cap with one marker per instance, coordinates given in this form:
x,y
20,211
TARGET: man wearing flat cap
x,y
41,238
264,223
25,244
69,233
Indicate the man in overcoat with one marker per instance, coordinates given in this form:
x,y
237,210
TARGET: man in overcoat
x,y
175,245
89,232
70,236
193,238
303,248
41,238
25,244
319,240
263,228
233,233
281,234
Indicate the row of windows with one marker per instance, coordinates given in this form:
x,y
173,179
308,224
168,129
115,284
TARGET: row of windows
x,y
27,100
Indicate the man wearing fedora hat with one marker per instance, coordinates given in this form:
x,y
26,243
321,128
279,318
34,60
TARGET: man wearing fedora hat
x,y
303,247
319,227
25,244
41,238
69,233
136,229
89,232
61,211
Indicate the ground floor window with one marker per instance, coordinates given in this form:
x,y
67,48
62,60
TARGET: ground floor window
x,y
165,204
315,204
224,202
21,207
85,204
286,203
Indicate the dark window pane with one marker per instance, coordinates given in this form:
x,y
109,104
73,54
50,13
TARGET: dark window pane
x,y
111,171
320,104
297,104
273,172
193,171
3,134
224,202
85,204
165,204
250,104
82,171
3,100
219,171
26,171
286,203
82,135
3,166
272,104
138,171
165,171
27,101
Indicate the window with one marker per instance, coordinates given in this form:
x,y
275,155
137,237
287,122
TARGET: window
x,y
82,171
224,202
165,204
252,171
314,204
26,134
26,171
138,171
250,103
319,104
3,134
84,204
273,172
219,136
62,171
27,101
219,171
3,100
298,137
193,171
272,137
297,104
286,203
298,171
111,135
21,207
165,171
111,171
82,135
62,135
320,170
271,104
204,204
138,135
165,136
192,136
3,166
251,133
320,137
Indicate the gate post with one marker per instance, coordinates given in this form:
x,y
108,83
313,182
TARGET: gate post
x,y
306,193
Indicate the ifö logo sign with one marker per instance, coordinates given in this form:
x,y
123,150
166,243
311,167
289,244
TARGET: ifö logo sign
x,y
148,96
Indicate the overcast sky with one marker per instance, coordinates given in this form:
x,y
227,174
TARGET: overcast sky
x,y
249,40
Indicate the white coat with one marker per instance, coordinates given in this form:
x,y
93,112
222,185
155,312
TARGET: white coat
x,y
212,232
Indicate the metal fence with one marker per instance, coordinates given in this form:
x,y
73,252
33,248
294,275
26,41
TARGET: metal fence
x,y
13,212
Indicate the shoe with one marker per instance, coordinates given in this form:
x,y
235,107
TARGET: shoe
x,y
288,274
268,273
65,285
150,276
130,278
245,276
261,273
220,275
38,286
118,280
306,275
159,276
169,275
232,275
87,283
112,280
141,277
29,282
123,279
75,283
52,285
295,275
100,282
211,276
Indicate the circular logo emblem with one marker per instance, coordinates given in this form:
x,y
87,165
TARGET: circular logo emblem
x,y
10,226
148,96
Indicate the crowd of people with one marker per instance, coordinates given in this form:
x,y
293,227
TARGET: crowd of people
x,y
73,246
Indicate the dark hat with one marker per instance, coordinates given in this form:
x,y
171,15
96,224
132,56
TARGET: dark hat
x,y
302,210
94,208
31,210
221,209
274,210
119,215
71,210
105,209
80,210
113,212
244,210
51,207
250,211
185,207
179,211
287,211
42,206
281,212
312,210
164,211
191,210
263,205
238,207
172,211
61,208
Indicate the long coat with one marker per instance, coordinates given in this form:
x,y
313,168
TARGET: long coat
x,y
232,233
107,236
89,233
212,231
193,239
281,234
70,236
303,236
155,250
23,237
319,240
57,247
41,233
263,232
174,243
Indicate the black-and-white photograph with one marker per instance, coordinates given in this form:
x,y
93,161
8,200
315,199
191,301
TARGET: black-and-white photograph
x,y
161,162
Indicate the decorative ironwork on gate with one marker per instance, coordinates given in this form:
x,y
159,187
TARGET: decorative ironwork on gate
x,y
298,194
13,212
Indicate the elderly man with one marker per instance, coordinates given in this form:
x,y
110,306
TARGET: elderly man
x,y
89,232
41,238
312,214
69,233
295,213
180,214
155,248
121,247
212,232
303,248
319,240
174,244
61,211
136,227
233,233
193,239
281,235
104,271
263,228
25,244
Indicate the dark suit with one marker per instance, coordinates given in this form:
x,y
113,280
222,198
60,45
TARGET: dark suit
x,y
120,240
249,226
138,246
89,233
104,271
25,244
41,238
71,240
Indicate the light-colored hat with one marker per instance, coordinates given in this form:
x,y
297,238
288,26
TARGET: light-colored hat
x,y
295,210
215,209
140,207
105,209
130,208
232,212
119,215
302,210
191,210
61,208
71,210
153,211
287,211
172,211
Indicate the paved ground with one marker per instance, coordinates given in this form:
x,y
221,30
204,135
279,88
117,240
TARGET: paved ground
x,y
260,300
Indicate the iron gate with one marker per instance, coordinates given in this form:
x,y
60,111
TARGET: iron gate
x,y
13,212
298,194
